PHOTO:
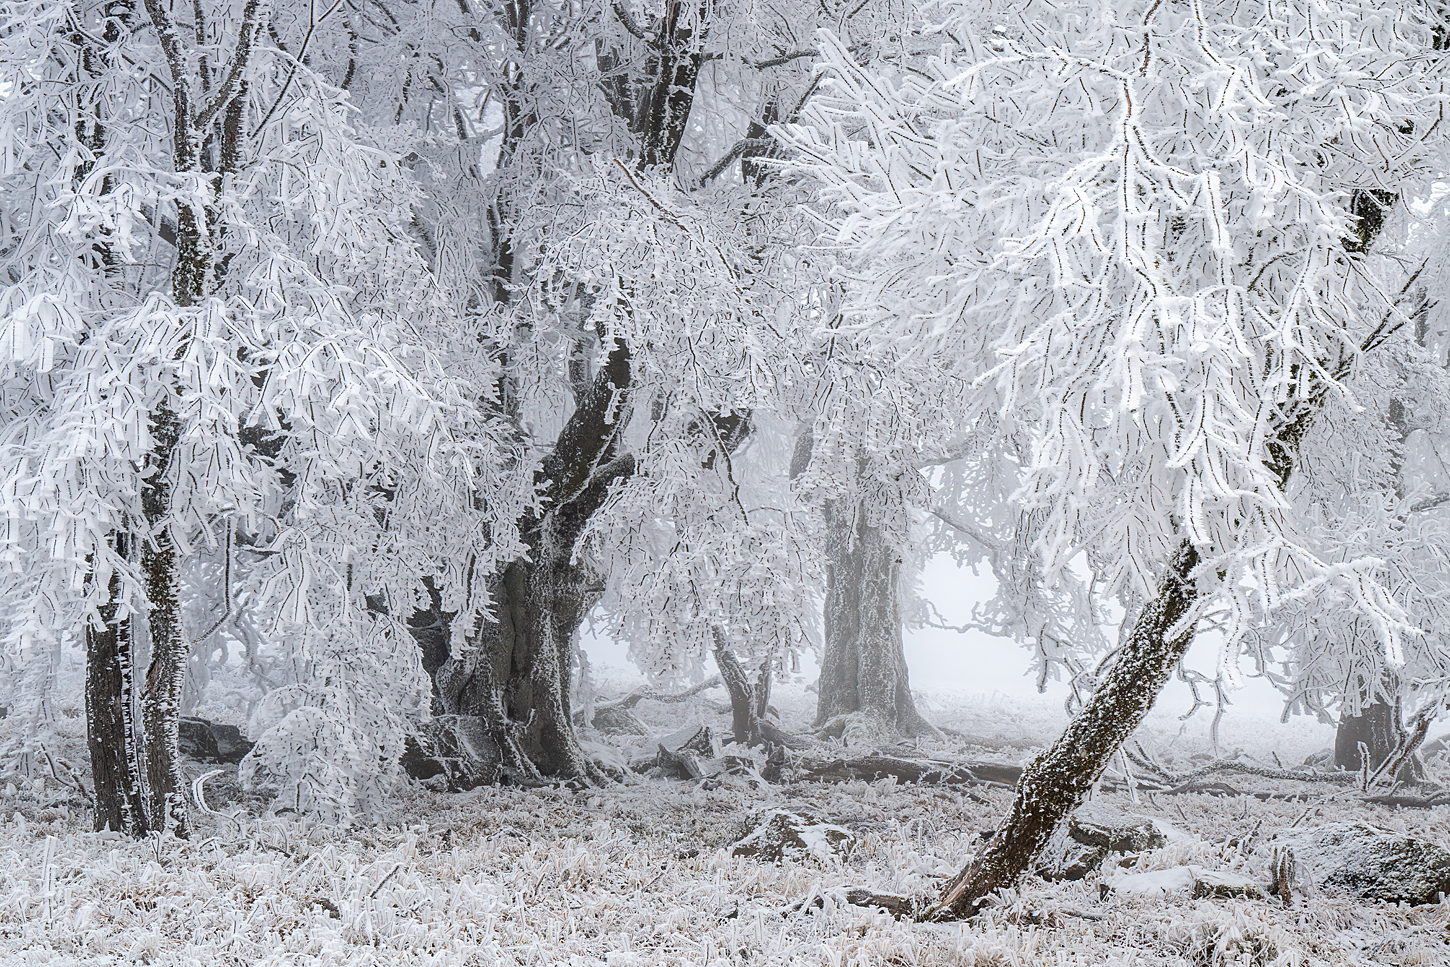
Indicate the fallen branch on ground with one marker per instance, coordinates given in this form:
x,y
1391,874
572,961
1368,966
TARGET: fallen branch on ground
x,y
875,766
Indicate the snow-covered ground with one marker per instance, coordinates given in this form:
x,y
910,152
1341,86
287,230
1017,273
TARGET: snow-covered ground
x,y
641,873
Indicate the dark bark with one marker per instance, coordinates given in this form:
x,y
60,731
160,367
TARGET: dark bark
x,y
166,672
192,279
120,801
1057,781
112,735
658,107
863,668
670,94
515,675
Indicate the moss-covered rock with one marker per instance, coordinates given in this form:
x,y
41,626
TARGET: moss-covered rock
x,y
1367,862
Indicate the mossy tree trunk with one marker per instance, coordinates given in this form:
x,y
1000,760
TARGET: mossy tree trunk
x,y
1056,781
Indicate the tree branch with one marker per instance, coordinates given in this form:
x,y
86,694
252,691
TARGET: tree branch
x,y
241,54
629,23
741,146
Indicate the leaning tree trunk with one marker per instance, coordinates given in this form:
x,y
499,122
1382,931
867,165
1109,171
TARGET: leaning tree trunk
x,y
863,685
1057,781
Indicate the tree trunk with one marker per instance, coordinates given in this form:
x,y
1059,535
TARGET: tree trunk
x,y
863,684
116,767
112,735
1379,728
516,677
166,673
1057,781
193,277
748,702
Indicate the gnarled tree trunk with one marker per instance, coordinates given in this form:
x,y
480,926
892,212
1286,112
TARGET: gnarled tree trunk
x,y
515,675
863,688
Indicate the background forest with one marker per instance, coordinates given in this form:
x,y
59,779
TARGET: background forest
x,y
358,355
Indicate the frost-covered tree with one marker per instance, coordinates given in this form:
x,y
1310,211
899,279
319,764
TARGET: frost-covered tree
x,y
620,278
217,333
1129,236
1387,502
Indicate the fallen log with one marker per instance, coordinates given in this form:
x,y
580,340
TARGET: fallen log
x,y
1409,802
634,698
874,766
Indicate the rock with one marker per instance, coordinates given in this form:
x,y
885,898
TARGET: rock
x,y
1093,833
778,833
1218,885
207,741
232,745
1175,879
614,720
1197,883
1114,832
454,752
774,764
1072,861
692,738
1366,862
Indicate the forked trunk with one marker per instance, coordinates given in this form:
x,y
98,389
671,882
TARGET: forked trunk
x,y
1057,781
749,701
